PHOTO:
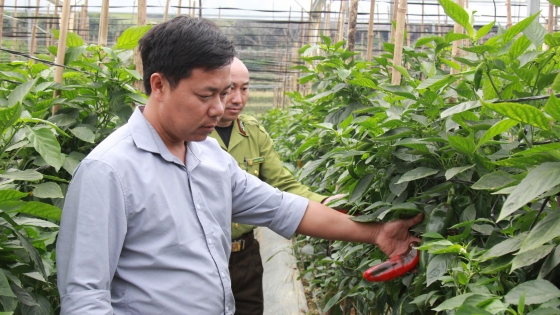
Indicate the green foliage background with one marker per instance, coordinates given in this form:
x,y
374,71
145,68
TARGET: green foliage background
x,y
477,152
39,151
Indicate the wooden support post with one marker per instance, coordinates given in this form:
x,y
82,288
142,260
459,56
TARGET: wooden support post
x,y
352,21
59,71
179,7
84,22
439,21
370,30
15,42
294,61
407,31
311,22
142,16
399,39
301,30
341,21
394,19
55,20
422,23
2,20
166,10
508,7
32,47
103,24
550,26
283,94
328,21
458,29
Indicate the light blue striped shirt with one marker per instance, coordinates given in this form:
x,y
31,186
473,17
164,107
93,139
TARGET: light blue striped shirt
x,y
141,233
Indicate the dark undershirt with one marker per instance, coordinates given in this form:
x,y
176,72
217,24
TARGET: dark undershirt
x,y
225,133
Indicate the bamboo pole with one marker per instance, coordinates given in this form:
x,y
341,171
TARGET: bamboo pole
x,y
438,20
458,29
55,19
15,42
301,30
179,7
59,71
370,30
166,11
342,20
328,19
83,22
508,7
394,18
399,39
352,21
311,24
422,23
407,31
142,16
550,25
32,47
336,33
295,77
103,24
1,20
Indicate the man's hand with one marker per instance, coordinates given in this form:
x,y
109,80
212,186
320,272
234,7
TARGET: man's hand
x,y
393,238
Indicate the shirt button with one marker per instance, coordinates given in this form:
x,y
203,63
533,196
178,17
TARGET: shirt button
x,y
198,206
209,241
223,274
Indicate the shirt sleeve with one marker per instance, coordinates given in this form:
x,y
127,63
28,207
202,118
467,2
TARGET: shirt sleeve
x,y
91,236
257,203
274,173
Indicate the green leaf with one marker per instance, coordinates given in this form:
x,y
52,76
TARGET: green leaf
x,y
365,82
72,39
394,134
462,144
530,257
332,301
453,302
535,32
34,222
505,247
539,180
5,289
436,82
10,194
48,190
498,128
520,112
460,108
555,2
450,173
343,73
469,309
556,84
437,268
546,230
457,14
484,30
536,292
33,254
8,116
543,148
518,28
552,106
41,210
28,175
130,37
84,134
519,47
402,70
417,173
493,181
550,262
361,187
44,141
20,92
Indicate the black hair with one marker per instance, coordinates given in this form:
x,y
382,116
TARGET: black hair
x,y
174,48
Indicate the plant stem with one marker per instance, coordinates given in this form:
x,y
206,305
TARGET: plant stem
x,y
540,211
493,85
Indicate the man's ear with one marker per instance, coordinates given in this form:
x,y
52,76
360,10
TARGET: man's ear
x,y
158,84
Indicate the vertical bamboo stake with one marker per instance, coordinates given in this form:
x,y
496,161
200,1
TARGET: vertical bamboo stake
x,y
466,42
103,24
518,11
59,71
55,19
83,20
328,20
550,18
399,38
394,18
142,16
438,20
179,8
1,20
311,24
295,59
34,30
14,29
407,31
166,11
282,95
352,21
379,38
370,30
508,6
336,34
458,29
301,30
422,23
342,20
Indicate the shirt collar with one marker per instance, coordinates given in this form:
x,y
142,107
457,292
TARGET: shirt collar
x,y
146,138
